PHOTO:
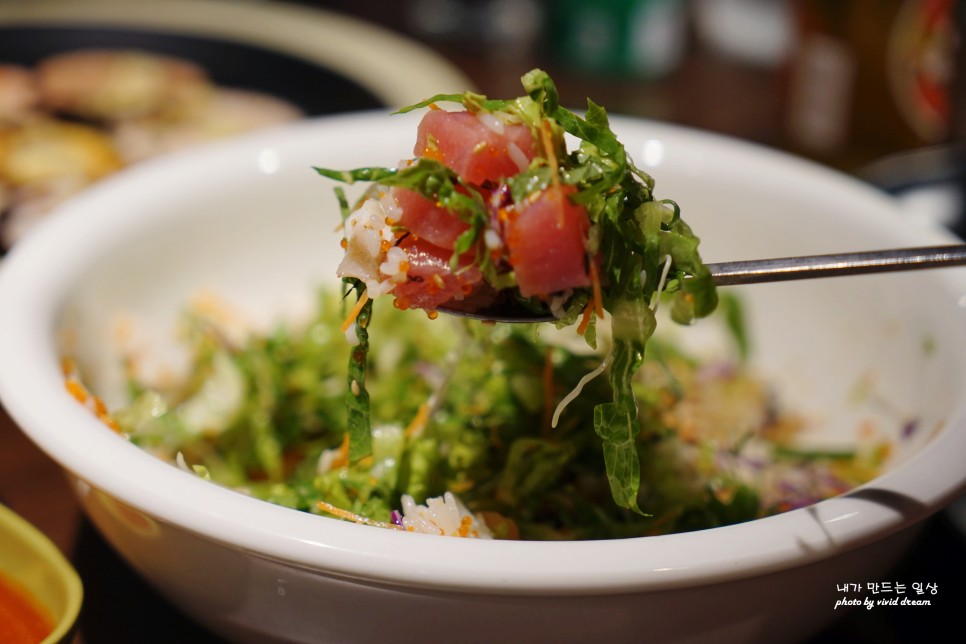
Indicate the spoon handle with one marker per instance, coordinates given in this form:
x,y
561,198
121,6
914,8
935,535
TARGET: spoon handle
x,y
811,266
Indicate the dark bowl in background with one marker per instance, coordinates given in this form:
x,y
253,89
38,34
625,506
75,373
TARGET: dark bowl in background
x,y
314,88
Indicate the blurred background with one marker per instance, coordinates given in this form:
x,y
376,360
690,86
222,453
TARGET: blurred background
x,y
868,87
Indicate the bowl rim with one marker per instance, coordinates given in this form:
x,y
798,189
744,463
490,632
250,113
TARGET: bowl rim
x,y
17,528
31,290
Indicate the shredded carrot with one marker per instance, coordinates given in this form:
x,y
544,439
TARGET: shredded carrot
x,y
77,390
585,318
419,420
434,106
336,511
342,458
99,407
81,394
328,508
354,313
596,304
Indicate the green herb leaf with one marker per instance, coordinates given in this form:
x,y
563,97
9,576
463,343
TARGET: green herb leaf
x,y
356,397
616,429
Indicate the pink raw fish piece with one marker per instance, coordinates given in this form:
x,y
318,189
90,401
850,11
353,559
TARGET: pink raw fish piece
x,y
546,241
431,281
426,220
475,151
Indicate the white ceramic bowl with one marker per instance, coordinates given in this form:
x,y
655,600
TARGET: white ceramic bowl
x,y
250,220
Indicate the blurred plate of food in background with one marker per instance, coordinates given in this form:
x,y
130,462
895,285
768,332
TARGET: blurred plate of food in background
x,y
88,87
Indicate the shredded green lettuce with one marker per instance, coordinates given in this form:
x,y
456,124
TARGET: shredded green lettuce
x,y
486,437
356,395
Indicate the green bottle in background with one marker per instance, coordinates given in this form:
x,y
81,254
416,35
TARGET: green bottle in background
x,y
641,38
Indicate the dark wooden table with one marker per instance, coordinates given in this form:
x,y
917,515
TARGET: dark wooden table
x,y
706,92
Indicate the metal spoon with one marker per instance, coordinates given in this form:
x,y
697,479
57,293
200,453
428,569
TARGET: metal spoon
x,y
502,307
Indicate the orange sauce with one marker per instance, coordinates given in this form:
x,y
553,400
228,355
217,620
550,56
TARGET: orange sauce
x,y
23,620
